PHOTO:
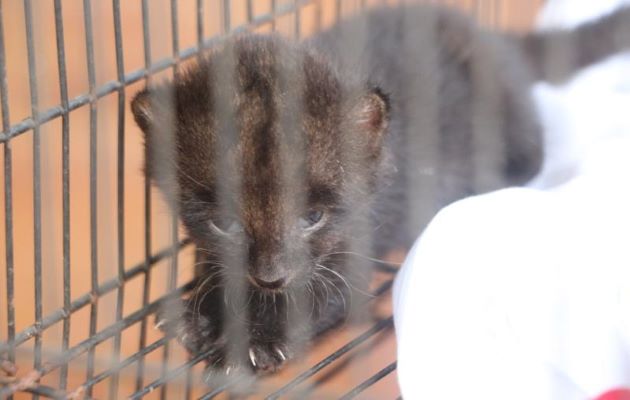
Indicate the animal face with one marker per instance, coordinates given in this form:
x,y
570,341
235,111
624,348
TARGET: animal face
x,y
265,154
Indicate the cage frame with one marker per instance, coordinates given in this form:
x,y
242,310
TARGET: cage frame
x,y
29,382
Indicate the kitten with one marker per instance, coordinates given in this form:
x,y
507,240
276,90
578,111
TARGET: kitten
x,y
286,160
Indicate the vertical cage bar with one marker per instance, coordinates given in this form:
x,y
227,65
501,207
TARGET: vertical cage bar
x,y
350,46
250,11
65,145
477,9
8,193
200,38
147,219
147,184
227,16
120,189
200,24
171,285
297,29
37,218
274,8
498,23
172,278
228,192
421,152
89,46
318,16
175,35
189,373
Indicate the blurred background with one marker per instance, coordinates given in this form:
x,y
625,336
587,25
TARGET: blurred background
x,y
113,242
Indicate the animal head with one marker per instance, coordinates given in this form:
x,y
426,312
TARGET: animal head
x,y
265,153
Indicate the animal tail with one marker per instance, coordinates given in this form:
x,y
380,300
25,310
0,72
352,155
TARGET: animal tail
x,y
556,55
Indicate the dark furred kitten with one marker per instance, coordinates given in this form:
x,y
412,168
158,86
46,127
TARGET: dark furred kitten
x,y
248,147
286,160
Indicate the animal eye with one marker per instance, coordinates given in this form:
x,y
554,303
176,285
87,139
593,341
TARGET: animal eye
x,y
310,219
227,226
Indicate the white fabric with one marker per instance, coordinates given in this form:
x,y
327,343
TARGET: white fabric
x,y
571,13
525,293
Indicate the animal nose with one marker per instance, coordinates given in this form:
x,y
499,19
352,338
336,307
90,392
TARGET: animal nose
x,y
269,284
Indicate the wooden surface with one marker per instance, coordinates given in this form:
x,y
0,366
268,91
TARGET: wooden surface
x,y
516,15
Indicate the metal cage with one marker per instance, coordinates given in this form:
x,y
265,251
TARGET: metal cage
x,y
89,252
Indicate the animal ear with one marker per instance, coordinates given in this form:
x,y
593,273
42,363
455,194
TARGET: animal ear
x,y
153,113
373,111
143,110
371,117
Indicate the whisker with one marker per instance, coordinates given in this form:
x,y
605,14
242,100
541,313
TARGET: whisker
x,y
336,288
180,170
209,252
203,283
286,307
275,310
345,281
309,287
376,260
323,283
197,312
249,299
195,298
341,296
197,202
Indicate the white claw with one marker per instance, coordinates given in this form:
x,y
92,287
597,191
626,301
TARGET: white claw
x,y
159,324
281,354
183,338
228,370
252,357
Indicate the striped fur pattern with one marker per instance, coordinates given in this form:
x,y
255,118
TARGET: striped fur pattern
x,y
290,163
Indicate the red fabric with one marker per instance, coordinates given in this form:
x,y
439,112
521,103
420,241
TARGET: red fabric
x,y
616,394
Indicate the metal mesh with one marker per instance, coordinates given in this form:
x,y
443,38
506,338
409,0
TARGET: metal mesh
x,y
110,350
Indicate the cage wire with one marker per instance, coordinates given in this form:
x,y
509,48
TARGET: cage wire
x,y
90,251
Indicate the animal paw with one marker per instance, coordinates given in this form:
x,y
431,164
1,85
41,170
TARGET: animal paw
x,y
194,332
267,357
258,358
226,359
